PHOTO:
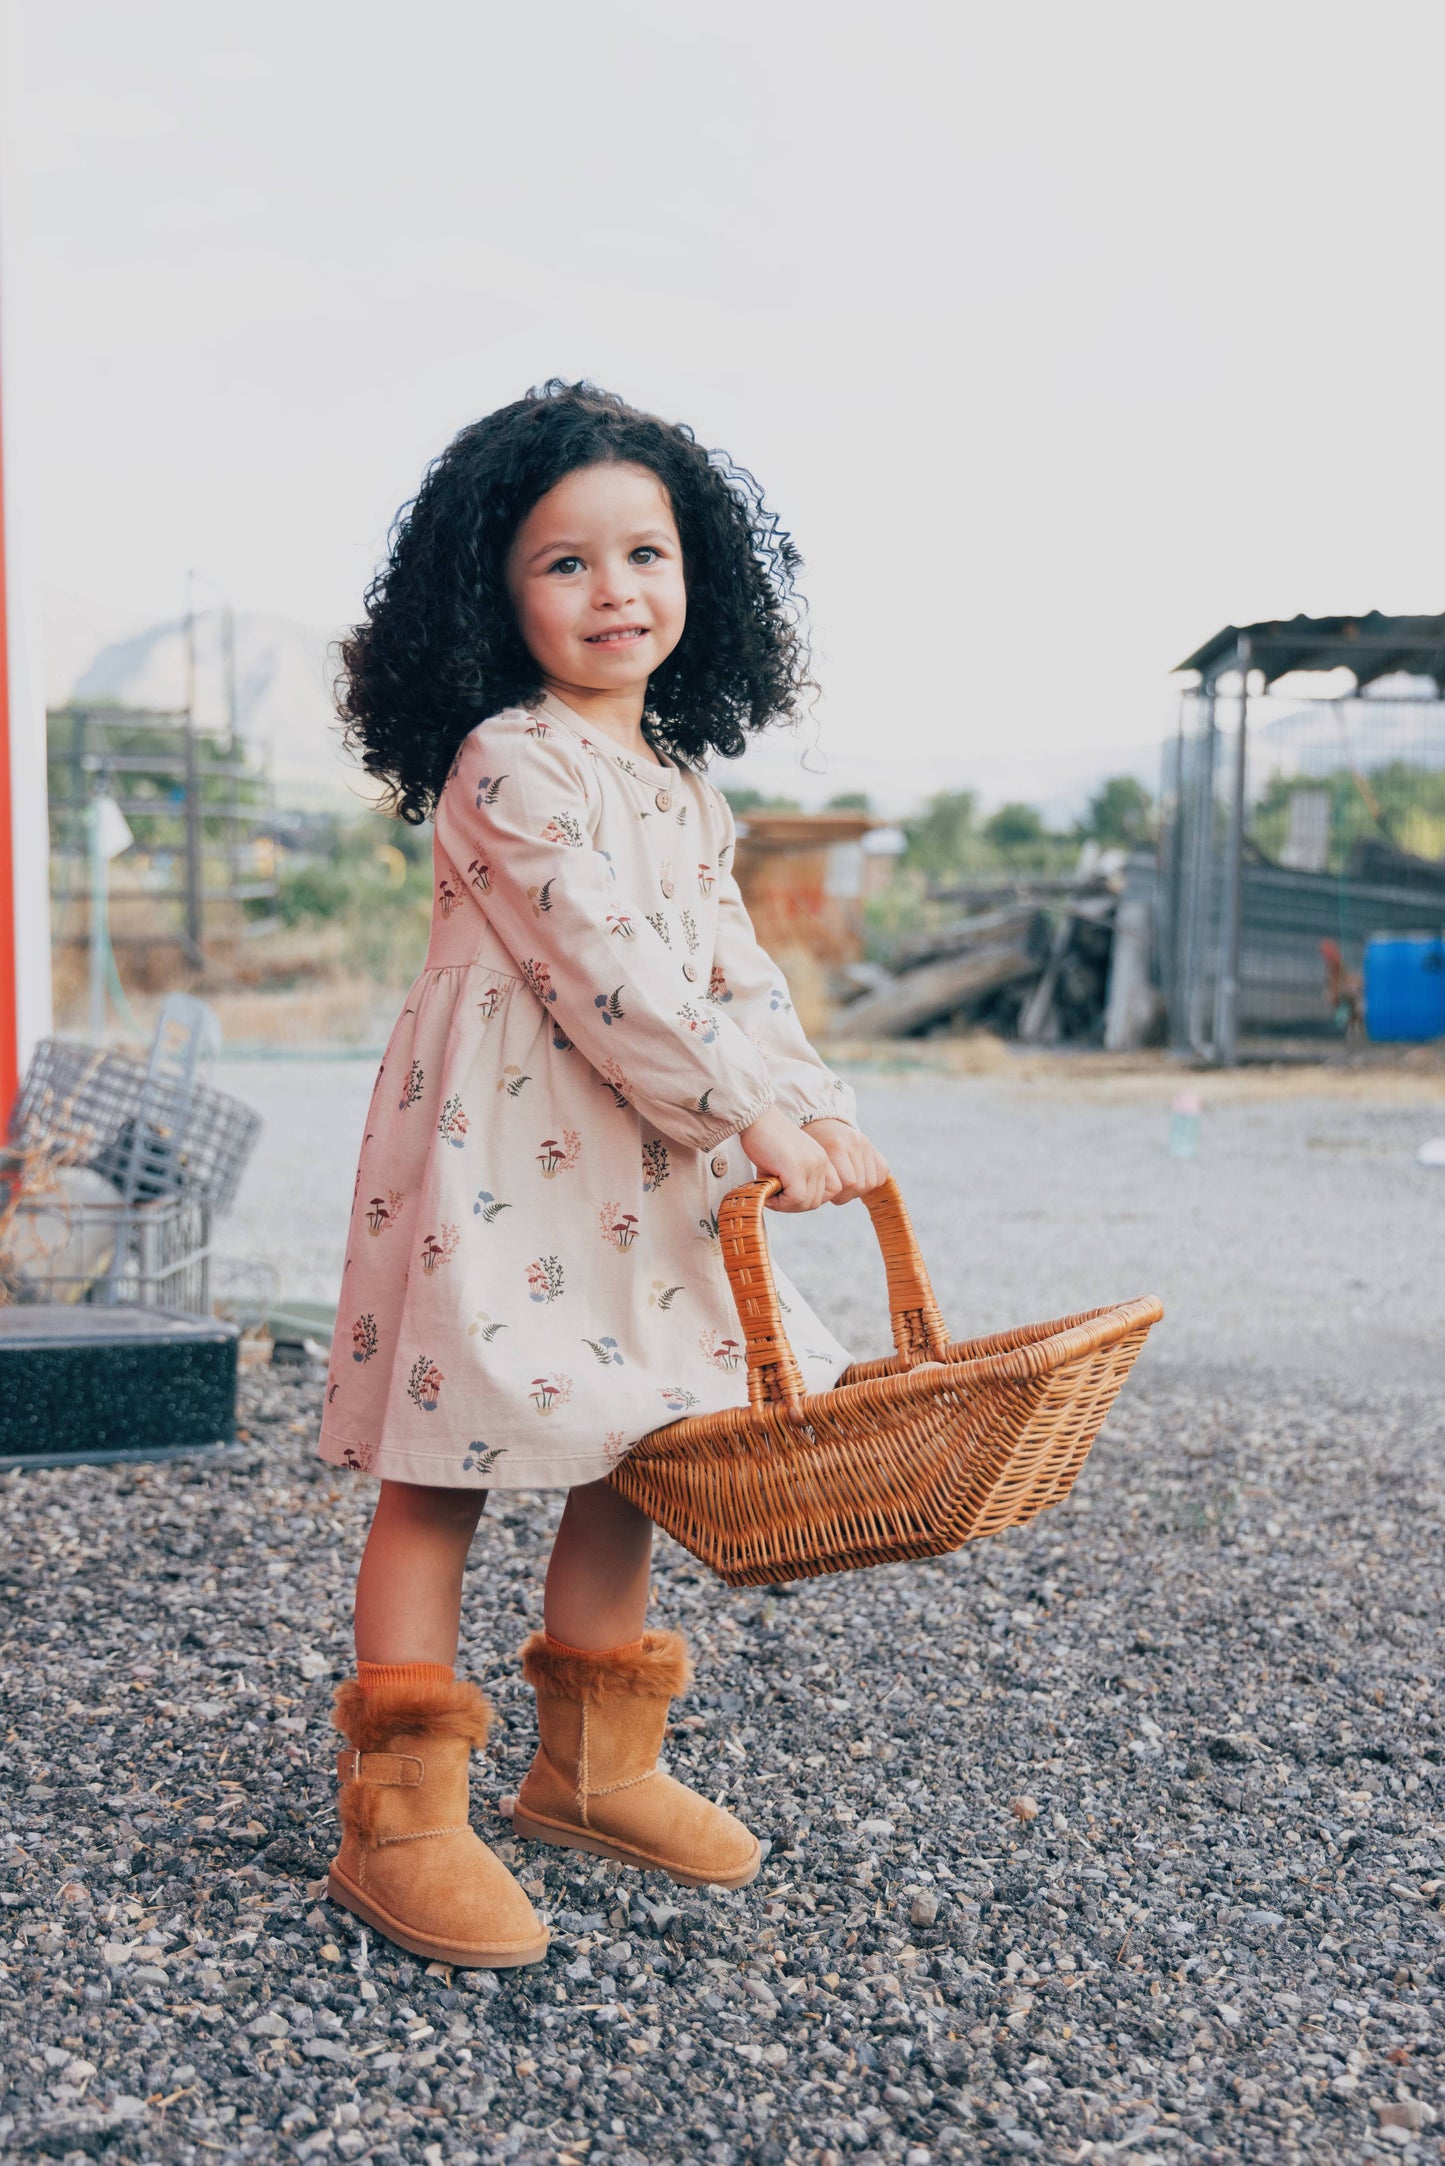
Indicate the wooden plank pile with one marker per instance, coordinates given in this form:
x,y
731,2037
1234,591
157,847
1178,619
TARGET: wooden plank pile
x,y
1027,958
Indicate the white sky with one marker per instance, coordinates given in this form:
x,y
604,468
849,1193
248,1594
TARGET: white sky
x,y
1058,335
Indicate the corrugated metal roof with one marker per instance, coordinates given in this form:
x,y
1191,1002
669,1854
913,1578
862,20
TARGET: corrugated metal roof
x,y
1371,646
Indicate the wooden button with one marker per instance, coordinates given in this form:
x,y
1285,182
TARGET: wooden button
x,y
720,1165
689,970
663,800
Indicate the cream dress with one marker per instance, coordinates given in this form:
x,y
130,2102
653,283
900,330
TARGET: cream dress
x,y
533,1278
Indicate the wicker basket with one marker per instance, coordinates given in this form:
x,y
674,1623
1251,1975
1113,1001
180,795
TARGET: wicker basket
x,y
909,1456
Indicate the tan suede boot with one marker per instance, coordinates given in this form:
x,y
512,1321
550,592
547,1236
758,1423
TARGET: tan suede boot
x,y
410,1864
595,1783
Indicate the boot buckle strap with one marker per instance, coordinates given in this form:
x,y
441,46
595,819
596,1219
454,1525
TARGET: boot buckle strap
x,y
394,1769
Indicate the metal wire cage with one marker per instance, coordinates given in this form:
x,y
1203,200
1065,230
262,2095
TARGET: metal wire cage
x,y
152,1134
165,1153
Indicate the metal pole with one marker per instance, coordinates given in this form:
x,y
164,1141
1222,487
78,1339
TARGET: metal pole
x,y
1197,882
193,810
97,870
1231,916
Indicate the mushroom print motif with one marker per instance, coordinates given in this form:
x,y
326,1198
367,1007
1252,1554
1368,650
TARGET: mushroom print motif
x,y
479,872
702,1026
540,728
677,1398
550,1391
452,1127
555,1157
539,977
447,896
381,1211
706,878
363,1338
545,1278
490,1001
439,1248
619,922
722,1353
718,988
563,828
617,1227
424,1385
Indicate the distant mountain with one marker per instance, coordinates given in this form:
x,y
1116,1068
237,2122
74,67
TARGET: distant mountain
x,y
283,698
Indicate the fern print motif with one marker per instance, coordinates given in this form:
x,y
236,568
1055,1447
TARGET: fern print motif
x,y
705,1100
560,1038
511,1080
662,1295
611,1006
541,897
677,1398
486,1206
481,1458
619,1085
483,1327
654,1164
606,1351
487,790
412,1088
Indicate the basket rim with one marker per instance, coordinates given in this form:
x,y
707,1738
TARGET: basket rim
x,y
1059,1342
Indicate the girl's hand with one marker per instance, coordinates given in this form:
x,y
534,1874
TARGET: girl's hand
x,y
858,1165
777,1145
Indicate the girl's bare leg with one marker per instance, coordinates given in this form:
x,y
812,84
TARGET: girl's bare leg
x,y
600,1570
409,1587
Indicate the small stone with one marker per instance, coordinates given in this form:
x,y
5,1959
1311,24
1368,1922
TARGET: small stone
x,y
268,2025
923,1910
1406,2113
1024,1808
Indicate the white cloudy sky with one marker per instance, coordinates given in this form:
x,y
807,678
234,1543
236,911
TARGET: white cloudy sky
x,y
1059,335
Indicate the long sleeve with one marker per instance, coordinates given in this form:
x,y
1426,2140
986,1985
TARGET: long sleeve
x,y
754,991
585,946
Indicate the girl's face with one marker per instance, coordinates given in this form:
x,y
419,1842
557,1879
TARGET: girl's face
x,y
596,578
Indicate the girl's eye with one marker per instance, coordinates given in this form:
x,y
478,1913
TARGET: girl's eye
x,y
646,549
564,563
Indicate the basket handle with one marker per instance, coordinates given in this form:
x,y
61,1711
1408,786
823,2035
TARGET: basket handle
x,y
774,1378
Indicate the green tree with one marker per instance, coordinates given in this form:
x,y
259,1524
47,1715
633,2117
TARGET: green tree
x,y
750,800
942,838
850,801
1015,830
1120,815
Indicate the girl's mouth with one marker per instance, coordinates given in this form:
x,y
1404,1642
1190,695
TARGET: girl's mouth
x,y
617,639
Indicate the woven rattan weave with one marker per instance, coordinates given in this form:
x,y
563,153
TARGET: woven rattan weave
x,y
909,1456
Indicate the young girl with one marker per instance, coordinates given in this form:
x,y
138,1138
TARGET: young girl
x,y
580,605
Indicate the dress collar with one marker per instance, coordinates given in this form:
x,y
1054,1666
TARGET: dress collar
x,y
596,741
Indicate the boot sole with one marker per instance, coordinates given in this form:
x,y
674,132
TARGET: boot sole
x,y
553,1831
458,1953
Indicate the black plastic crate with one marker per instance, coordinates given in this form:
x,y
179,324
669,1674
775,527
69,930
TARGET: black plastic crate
x,y
82,1384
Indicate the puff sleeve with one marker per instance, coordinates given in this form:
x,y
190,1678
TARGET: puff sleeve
x,y
756,994
526,807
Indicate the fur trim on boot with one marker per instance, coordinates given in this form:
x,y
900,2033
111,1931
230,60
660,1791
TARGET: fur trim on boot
x,y
595,1783
410,1863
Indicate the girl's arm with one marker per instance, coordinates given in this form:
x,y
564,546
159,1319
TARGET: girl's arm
x,y
754,992
515,820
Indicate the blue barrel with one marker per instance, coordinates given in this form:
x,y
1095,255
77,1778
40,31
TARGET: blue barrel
x,y
1405,986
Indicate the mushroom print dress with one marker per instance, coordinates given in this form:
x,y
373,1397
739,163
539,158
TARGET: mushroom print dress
x,y
533,1277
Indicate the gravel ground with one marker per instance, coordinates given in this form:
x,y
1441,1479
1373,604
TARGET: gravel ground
x,y
1118,1836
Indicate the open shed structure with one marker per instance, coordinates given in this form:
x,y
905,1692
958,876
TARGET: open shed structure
x,y
1303,810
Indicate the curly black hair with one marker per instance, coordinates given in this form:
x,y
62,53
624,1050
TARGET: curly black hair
x,y
440,649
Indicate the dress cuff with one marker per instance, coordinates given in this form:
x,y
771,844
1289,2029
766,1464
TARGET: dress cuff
x,y
743,1120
